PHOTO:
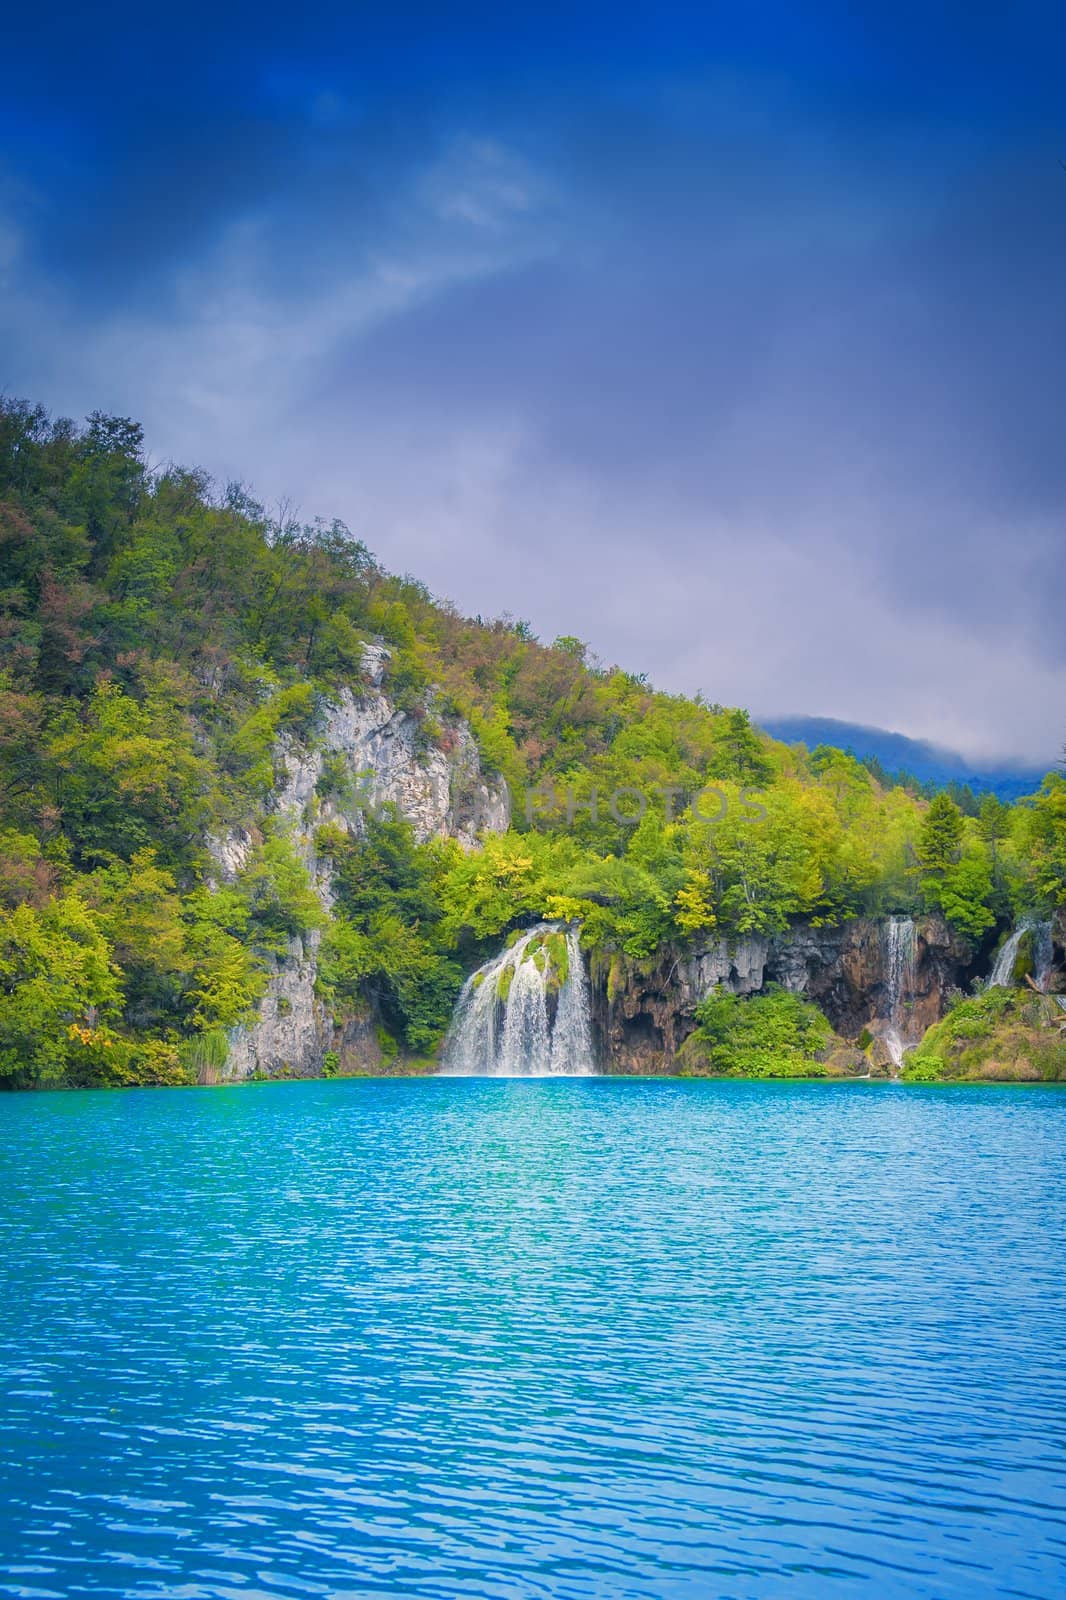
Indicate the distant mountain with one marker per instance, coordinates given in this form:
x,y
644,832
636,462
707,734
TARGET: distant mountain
x,y
896,753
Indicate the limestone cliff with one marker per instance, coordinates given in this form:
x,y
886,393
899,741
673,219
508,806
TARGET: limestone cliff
x,y
645,1011
369,753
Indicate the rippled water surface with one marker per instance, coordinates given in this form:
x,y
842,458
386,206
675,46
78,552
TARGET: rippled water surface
x,y
555,1338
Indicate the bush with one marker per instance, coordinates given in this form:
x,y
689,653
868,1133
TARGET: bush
x,y
204,1055
769,1035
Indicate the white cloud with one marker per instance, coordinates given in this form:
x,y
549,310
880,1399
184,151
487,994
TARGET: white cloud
x,y
718,470
226,354
738,610
481,182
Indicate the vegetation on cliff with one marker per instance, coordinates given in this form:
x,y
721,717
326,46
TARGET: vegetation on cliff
x,y
773,1034
1000,1035
156,640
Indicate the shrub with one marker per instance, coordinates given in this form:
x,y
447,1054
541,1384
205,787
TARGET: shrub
x,y
281,901
204,1055
769,1035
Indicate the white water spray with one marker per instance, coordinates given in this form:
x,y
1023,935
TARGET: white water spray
x,y
899,982
504,1024
1002,974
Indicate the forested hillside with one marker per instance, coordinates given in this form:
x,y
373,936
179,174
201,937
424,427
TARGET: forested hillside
x,y
156,639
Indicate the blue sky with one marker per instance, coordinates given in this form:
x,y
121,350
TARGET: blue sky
x,y
730,338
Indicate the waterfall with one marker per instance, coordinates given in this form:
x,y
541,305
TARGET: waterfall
x,y
572,1034
522,1014
1043,954
899,979
1002,974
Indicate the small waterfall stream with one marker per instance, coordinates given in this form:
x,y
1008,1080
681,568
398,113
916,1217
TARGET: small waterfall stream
x,y
1002,974
1043,954
899,983
526,1013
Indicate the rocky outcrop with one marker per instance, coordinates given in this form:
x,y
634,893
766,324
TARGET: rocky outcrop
x,y
380,756
644,1012
844,970
293,1031
365,753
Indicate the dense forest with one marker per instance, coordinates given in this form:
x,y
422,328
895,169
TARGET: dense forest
x,y
156,638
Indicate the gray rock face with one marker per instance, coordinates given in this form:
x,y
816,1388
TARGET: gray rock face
x,y
365,753
230,852
437,787
644,1019
738,968
844,970
293,1030
645,1013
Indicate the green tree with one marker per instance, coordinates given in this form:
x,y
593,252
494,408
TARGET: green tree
x,y
58,987
956,870
225,978
125,775
941,837
138,909
277,889
740,753
105,487
1044,839
964,891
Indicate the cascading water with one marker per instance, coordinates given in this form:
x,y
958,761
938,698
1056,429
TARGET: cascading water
x,y
899,980
1002,974
1043,954
525,1013
572,1033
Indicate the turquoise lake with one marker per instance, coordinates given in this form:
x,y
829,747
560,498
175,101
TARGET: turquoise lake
x,y
534,1338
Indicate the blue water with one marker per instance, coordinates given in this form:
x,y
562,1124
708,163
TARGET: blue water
x,y
504,1338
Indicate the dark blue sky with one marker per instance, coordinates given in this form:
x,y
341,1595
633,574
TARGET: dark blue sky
x,y
730,338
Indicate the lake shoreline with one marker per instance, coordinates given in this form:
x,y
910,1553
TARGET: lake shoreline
x,y
436,1076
